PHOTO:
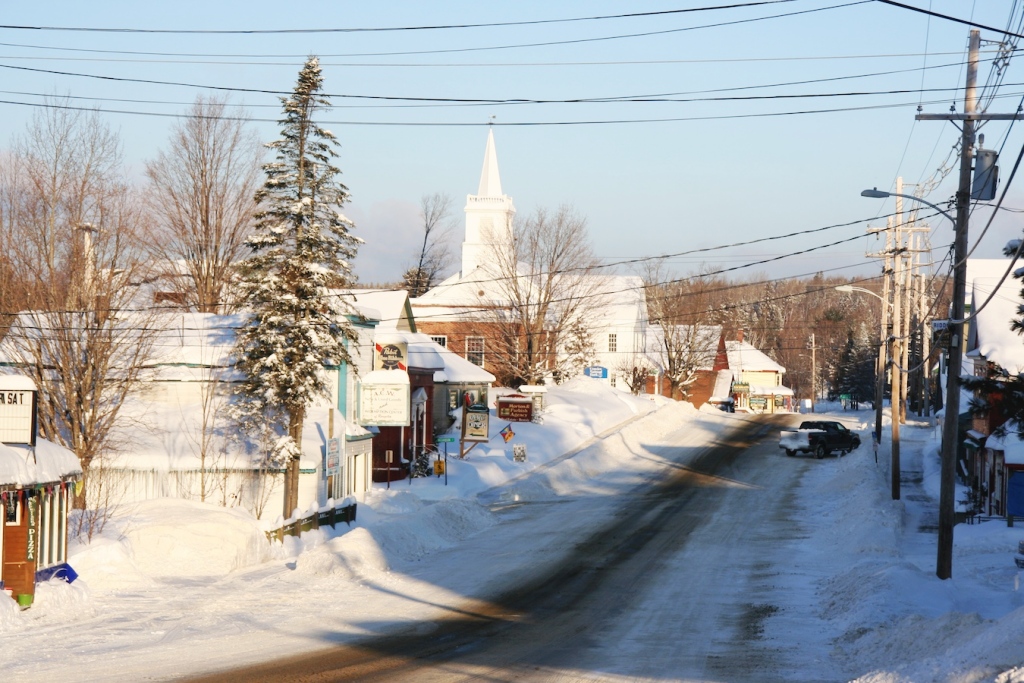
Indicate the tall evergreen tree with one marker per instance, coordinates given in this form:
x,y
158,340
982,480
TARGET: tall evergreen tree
x,y
301,249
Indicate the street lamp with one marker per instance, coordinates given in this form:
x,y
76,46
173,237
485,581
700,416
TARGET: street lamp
x,y
880,362
875,193
947,473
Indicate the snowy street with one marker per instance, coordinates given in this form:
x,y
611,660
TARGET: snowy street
x,y
663,581
681,545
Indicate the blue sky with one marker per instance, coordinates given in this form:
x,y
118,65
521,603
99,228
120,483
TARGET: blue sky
x,y
716,172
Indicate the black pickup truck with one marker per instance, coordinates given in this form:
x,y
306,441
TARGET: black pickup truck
x,y
819,437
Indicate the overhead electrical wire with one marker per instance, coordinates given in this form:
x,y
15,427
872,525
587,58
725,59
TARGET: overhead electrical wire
x,y
445,65
477,124
463,310
968,22
659,257
387,29
577,41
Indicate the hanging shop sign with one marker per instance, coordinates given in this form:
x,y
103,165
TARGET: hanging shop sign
x,y
476,423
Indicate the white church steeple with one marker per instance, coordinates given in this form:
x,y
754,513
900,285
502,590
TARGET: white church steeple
x,y
488,213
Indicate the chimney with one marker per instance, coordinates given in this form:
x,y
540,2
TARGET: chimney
x,y
739,335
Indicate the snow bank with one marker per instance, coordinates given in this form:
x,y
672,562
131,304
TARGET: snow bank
x,y
168,537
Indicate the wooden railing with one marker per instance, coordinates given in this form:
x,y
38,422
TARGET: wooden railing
x,y
325,517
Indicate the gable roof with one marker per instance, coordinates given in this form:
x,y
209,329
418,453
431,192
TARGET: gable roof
x,y
743,357
391,306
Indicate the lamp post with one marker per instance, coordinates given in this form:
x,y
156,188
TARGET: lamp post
x,y
947,475
880,361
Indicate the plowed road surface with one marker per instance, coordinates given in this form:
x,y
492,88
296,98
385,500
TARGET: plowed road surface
x,y
675,585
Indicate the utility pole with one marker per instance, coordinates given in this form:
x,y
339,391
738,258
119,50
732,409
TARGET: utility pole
x,y
883,334
895,370
950,426
814,366
950,436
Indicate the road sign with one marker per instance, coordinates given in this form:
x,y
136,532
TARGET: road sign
x,y
445,439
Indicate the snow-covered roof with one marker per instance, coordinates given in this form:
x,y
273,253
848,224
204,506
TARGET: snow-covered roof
x,y
1011,445
390,307
706,344
990,335
195,339
47,463
16,382
723,387
449,367
620,298
773,390
743,357
983,268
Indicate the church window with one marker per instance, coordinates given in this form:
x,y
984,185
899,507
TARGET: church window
x,y
613,343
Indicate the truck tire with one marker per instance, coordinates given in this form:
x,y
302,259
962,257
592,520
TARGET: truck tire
x,y
820,451
790,452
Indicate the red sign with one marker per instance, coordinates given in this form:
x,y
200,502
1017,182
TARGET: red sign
x,y
515,408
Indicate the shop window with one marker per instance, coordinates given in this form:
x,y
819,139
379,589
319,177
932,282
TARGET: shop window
x,y
12,508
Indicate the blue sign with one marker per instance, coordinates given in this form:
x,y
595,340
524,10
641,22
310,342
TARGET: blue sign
x,y
597,372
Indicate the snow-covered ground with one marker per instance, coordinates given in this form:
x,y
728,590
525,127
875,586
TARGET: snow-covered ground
x,y
179,588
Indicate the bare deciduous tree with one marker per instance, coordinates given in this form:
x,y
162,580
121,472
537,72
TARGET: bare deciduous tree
x,y
679,313
634,370
435,254
74,222
201,191
544,269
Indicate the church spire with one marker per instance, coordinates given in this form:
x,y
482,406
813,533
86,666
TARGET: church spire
x,y
488,214
490,181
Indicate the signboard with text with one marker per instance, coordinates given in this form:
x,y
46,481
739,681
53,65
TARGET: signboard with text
x,y
17,411
515,408
597,372
333,464
384,399
476,423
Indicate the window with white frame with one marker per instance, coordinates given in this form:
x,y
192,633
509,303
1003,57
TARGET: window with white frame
x,y
475,350
441,339
12,508
613,343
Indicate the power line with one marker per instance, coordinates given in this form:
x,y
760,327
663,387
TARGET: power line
x,y
385,29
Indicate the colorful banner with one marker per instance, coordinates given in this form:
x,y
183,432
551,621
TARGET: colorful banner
x,y
507,433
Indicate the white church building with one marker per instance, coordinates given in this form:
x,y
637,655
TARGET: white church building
x,y
457,313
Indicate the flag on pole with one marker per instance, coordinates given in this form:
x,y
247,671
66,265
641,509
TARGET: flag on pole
x,y
507,433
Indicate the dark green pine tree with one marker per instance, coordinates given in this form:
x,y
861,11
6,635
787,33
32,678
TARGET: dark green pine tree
x,y
300,251
855,374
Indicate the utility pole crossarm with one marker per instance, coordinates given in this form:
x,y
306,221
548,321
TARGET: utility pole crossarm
x,y
970,117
